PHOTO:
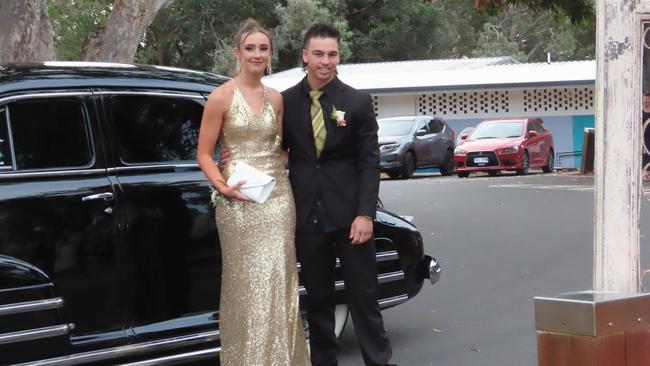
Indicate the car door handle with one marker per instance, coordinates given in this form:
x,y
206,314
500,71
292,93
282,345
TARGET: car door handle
x,y
106,196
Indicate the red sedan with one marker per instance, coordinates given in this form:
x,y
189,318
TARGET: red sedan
x,y
505,144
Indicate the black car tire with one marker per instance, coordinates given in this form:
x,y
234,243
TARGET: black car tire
x,y
393,175
448,165
524,164
462,174
409,166
548,168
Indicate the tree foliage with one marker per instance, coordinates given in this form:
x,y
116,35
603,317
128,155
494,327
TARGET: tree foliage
x,y
199,34
529,36
73,20
576,10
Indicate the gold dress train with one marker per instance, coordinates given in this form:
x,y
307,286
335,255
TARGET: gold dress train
x,y
259,317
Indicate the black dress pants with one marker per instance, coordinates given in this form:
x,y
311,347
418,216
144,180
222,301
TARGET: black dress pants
x,y
317,252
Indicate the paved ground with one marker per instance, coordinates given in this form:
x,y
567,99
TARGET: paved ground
x,y
502,241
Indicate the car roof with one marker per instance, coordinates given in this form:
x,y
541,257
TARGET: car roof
x,y
401,118
505,120
53,75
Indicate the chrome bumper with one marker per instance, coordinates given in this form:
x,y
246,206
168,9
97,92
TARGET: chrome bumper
x,y
429,268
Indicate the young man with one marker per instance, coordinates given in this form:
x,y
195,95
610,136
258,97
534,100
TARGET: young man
x,y
330,131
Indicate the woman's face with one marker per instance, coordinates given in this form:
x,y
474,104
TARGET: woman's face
x,y
254,53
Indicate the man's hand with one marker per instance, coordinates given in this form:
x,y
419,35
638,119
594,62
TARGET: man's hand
x,y
361,230
224,155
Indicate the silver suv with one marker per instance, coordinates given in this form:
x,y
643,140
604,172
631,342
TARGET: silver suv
x,y
412,142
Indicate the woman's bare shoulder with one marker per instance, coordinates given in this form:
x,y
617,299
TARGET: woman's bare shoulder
x,y
223,93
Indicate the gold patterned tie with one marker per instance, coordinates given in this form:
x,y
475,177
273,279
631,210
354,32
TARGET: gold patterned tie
x,y
317,121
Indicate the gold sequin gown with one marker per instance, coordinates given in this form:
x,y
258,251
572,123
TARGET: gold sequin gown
x,y
259,316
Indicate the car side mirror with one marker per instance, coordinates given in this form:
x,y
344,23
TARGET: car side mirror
x,y
421,132
464,136
533,133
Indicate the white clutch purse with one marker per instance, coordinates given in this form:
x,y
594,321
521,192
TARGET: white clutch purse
x,y
258,186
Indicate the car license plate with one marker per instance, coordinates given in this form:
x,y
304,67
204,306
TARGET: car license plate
x,y
481,160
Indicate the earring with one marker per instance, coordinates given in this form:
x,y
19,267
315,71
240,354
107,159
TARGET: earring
x,y
269,69
237,67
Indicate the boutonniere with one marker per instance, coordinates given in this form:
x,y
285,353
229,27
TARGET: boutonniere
x,y
339,117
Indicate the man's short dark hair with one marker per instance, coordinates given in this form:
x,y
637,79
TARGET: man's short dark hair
x,y
323,31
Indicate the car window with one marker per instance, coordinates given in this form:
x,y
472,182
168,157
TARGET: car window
x,y
156,128
394,127
531,126
497,130
436,126
422,125
50,133
5,153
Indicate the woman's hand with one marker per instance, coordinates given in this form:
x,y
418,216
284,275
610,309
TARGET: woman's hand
x,y
233,192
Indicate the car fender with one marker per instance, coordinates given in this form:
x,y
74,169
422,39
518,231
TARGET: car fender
x,y
32,324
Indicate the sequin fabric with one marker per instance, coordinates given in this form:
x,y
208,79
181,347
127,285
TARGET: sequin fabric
x,y
259,316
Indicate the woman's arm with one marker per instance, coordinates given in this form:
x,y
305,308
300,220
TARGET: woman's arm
x,y
211,122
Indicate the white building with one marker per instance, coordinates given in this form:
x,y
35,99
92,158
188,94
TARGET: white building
x,y
467,91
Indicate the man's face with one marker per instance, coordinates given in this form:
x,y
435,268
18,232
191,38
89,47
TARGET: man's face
x,y
321,57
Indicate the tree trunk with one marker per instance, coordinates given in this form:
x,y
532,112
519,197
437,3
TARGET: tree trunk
x,y
118,41
26,33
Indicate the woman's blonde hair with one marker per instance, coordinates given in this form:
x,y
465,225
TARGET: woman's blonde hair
x,y
249,27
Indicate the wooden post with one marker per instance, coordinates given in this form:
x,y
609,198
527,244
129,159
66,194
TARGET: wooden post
x,y
609,326
618,149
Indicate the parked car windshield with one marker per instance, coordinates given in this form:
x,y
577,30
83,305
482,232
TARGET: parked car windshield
x,y
498,130
395,127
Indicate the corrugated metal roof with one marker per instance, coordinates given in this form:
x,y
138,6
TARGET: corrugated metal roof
x,y
413,76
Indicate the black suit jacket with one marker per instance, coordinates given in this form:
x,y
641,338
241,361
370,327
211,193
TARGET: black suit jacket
x,y
346,175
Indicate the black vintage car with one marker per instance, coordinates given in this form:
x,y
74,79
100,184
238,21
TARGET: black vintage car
x,y
109,253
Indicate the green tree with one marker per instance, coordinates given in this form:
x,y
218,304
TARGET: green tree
x,y
459,24
73,20
394,30
576,10
198,34
296,17
528,36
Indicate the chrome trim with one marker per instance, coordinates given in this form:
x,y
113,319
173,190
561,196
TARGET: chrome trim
x,y
390,276
382,278
392,301
28,306
151,166
11,139
158,94
106,196
32,334
44,95
173,359
434,271
128,350
388,255
57,173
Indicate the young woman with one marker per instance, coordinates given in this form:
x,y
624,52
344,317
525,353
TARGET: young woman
x,y
259,317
